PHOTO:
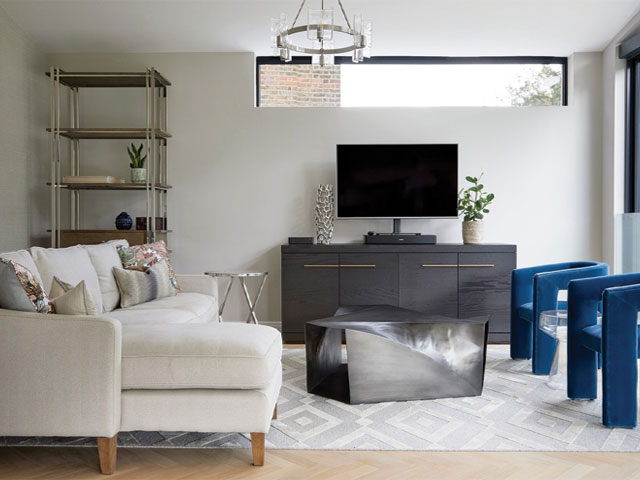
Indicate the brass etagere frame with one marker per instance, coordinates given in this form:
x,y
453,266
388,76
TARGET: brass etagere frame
x,y
155,133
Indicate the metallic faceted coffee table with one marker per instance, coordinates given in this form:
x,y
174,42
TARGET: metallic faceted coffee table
x,y
241,276
395,354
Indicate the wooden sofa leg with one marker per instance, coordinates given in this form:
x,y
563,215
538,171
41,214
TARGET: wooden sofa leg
x,y
275,412
257,448
107,454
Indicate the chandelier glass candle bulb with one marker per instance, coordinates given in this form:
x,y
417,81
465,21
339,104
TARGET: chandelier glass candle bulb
x,y
325,37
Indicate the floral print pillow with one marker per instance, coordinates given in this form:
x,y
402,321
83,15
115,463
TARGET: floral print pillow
x,y
146,256
19,290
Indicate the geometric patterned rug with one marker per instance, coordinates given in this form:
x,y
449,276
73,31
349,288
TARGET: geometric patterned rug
x,y
517,411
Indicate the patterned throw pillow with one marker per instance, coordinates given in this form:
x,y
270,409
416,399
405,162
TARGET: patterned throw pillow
x,y
147,255
140,287
70,300
19,290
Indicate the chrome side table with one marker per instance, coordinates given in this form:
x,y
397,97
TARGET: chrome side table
x,y
242,277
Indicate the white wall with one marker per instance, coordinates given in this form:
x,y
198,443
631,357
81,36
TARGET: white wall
x,y
245,177
23,141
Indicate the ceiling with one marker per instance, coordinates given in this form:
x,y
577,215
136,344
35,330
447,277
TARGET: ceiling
x,y
400,27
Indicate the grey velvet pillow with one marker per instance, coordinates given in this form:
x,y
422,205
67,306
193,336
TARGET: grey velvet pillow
x,y
139,287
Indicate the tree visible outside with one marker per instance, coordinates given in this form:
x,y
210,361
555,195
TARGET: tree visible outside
x,y
541,88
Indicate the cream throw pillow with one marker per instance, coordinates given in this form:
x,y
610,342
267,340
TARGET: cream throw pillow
x,y
70,300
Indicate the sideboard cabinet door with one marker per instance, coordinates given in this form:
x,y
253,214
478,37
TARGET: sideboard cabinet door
x,y
484,289
309,289
429,283
368,279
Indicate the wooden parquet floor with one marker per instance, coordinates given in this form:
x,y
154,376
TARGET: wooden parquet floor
x,y
185,464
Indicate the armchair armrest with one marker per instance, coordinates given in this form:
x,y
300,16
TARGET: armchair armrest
x,y
546,286
584,298
620,353
60,374
586,294
524,282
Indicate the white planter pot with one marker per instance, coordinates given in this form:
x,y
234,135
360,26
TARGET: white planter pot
x,y
138,175
472,232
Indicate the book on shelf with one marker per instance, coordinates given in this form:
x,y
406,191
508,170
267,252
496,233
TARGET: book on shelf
x,y
92,179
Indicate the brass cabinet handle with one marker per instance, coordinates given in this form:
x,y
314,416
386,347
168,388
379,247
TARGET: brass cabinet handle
x,y
359,266
321,266
489,265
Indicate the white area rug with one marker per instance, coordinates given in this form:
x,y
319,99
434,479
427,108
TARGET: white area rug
x,y
516,412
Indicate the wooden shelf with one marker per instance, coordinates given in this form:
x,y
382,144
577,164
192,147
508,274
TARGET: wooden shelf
x,y
70,238
110,133
111,186
107,80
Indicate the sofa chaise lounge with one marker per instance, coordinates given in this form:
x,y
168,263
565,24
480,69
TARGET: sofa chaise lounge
x,y
164,365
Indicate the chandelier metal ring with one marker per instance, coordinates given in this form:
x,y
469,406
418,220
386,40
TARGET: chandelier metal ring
x,y
320,29
318,51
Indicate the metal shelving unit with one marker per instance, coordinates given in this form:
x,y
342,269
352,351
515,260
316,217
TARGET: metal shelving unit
x,y
155,133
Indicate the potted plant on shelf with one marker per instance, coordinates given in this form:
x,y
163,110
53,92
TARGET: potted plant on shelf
x,y
138,172
472,204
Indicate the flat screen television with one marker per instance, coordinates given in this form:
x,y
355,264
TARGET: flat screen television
x,y
397,181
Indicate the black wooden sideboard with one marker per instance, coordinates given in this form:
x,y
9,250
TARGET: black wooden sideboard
x,y
453,280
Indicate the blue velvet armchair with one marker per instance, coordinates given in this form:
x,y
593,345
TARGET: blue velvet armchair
x,y
534,290
616,339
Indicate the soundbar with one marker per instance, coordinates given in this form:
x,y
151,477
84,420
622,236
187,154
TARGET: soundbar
x,y
399,239
302,240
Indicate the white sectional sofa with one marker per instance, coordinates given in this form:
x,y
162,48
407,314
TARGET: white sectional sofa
x,y
165,365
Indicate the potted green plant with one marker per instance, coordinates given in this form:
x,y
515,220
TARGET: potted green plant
x,y
138,172
472,204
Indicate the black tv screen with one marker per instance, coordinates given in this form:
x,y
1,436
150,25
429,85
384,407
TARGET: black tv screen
x,y
397,181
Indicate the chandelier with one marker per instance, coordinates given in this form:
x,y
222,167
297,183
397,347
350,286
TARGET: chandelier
x,y
324,37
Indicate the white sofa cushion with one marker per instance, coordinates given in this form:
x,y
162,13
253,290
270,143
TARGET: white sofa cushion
x,y
104,258
25,259
71,265
186,307
213,355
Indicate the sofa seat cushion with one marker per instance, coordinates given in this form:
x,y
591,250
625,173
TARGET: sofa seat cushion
x,y
186,307
213,355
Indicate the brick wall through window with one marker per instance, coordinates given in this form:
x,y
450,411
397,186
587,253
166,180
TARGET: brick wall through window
x,y
299,85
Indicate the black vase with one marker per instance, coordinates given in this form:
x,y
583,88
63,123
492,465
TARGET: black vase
x,y
124,221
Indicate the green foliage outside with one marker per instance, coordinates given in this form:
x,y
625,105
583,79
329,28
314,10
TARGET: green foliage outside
x,y
542,89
